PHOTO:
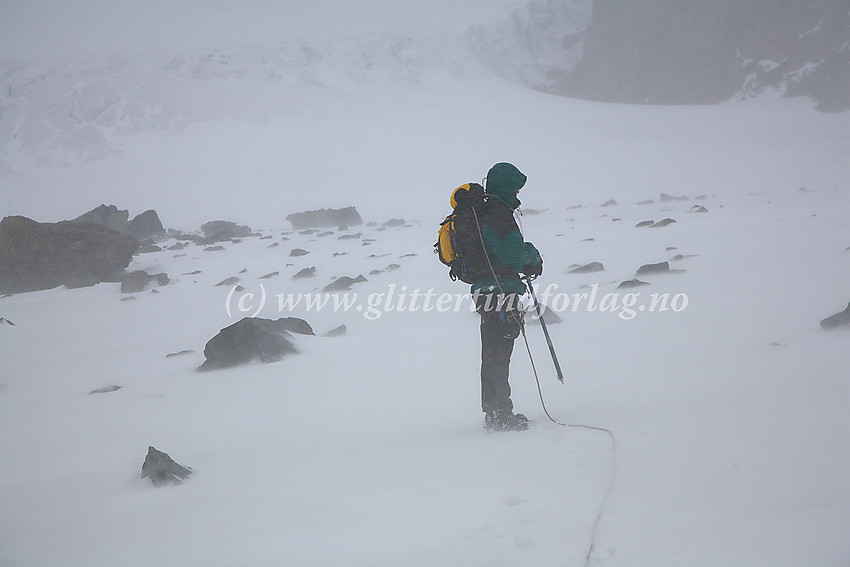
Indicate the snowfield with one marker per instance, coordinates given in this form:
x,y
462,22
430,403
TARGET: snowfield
x,y
727,408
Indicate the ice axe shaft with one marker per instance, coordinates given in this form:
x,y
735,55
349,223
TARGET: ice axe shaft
x,y
545,331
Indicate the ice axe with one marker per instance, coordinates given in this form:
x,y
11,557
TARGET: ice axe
x,y
545,330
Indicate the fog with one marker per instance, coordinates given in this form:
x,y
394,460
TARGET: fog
x,y
727,409
44,29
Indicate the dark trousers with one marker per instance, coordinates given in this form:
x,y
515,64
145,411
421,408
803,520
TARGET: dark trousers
x,y
500,326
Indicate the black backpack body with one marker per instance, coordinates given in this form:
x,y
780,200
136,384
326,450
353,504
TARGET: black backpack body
x,y
459,240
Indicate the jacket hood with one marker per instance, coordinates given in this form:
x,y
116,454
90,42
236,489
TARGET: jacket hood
x,y
503,181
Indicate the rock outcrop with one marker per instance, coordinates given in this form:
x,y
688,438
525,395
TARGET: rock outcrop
x,y
36,256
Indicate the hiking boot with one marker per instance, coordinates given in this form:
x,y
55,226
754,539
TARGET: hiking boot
x,y
504,420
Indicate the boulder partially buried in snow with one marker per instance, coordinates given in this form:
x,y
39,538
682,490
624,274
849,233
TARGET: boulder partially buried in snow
x,y
588,268
343,283
37,255
838,320
253,340
549,316
137,281
220,230
162,470
321,218
659,268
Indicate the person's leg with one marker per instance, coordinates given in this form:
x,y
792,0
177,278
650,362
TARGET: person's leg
x,y
499,329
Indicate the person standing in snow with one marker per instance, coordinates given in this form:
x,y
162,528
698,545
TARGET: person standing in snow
x,y
498,292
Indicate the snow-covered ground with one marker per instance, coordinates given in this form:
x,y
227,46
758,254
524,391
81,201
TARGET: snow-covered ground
x,y
728,412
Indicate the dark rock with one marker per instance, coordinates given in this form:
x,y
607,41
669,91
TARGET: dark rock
x,y
350,236
274,245
393,223
177,235
632,283
131,298
228,281
376,272
665,198
588,268
109,216
179,353
411,255
338,332
698,209
219,230
36,256
137,281
393,267
295,325
4,321
162,470
659,268
298,252
250,339
339,254
663,222
325,233
647,202
195,273
549,316
177,246
146,226
645,223
344,283
217,248
106,389
269,275
321,218
305,273
838,320
148,248
610,203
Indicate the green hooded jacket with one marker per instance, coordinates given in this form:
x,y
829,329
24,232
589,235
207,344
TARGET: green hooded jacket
x,y
503,241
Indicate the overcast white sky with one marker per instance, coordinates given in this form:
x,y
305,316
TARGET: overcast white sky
x,y
43,29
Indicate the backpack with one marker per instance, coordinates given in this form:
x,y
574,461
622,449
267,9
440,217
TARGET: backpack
x,y
458,243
